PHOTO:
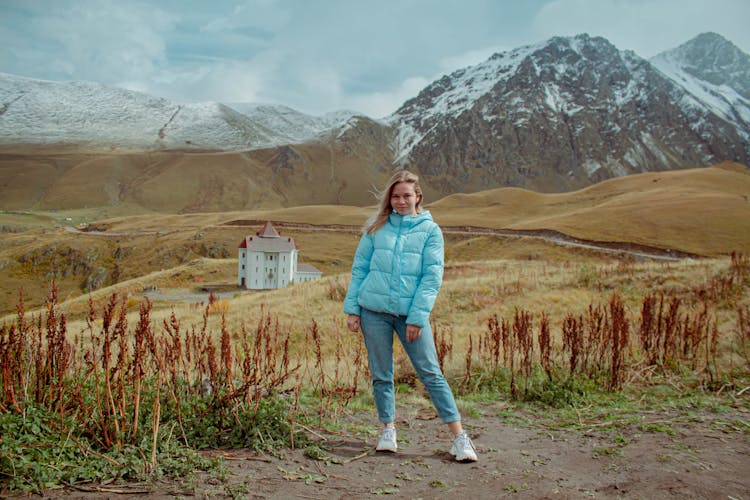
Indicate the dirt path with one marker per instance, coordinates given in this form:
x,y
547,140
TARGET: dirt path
x,y
655,455
698,461
551,236
620,248
189,296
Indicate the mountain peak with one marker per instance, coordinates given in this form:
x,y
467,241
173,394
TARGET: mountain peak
x,y
511,76
713,59
708,43
580,106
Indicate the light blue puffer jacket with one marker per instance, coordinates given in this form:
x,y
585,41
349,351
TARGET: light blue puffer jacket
x,y
399,269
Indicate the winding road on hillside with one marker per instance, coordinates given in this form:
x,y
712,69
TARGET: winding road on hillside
x,y
632,249
550,236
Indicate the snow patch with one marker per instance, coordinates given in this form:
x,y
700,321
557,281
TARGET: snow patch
x,y
612,165
591,167
721,100
88,114
466,87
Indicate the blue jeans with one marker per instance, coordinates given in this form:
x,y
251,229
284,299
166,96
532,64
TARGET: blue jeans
x,y
377,330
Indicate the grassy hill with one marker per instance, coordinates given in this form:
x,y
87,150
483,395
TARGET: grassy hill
x,y
704,211
701,211
333,171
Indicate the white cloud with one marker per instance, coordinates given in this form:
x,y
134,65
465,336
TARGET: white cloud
x,y
207,79
645,26
324,55
232,81
106,40
383,103
469,58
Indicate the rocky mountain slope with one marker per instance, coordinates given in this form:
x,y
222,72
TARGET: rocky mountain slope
x,y
715,73
571,111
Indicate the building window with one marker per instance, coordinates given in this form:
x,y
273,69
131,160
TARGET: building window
x,y
243,266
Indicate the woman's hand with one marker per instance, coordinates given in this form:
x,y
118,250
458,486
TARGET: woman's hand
x,y
413,332
352,322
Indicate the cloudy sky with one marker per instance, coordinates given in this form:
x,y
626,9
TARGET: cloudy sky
x,y
322,55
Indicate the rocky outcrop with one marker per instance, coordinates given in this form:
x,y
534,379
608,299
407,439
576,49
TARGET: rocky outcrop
x,y
560,116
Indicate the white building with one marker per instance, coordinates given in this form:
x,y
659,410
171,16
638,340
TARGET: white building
x,y
268,260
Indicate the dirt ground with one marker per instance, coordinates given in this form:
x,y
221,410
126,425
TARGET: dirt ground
x,y
653,455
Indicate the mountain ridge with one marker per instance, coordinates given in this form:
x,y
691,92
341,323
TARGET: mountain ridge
x,y
553,116
96,116
567,112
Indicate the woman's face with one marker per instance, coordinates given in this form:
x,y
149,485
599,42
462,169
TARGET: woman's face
x,y
403,198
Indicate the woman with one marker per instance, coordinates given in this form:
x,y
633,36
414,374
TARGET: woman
x,y
396,275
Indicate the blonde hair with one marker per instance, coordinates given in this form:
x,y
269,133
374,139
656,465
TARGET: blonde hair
x,y
379,218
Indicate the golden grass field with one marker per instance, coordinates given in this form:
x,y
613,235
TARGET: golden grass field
x,y
557,283
700,211
58,178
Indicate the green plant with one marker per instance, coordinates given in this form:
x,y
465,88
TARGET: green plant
x,y
658,427
561,393
611,451
320,452
39,450
620,440
130,405
238,490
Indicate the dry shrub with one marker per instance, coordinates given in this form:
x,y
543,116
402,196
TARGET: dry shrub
x,y
618,339
572,334
524,341
596,324
493,342
337,288
545,346
740,266
219,307
669,335
743,333
726,288
125,381
338,384
443,345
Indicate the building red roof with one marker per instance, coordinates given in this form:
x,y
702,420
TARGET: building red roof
x,y
268,231
268,240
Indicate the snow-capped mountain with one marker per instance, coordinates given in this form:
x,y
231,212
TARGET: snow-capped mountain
x,y
296,126
99,117
553,116
570,111
716,75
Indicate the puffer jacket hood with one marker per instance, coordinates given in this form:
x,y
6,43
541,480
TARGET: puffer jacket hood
x,y
399,269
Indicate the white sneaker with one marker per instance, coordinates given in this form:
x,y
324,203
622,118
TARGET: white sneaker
x,y
387,440
463,449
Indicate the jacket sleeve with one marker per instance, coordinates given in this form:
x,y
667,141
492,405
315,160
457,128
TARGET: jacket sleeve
x,y
360,269
432,278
